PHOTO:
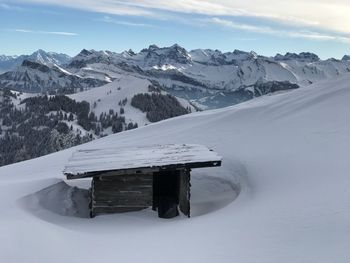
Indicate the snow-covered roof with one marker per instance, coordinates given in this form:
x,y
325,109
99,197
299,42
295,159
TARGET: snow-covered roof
x,y
89,162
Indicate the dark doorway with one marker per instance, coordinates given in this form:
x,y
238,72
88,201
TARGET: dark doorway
x,y
166,186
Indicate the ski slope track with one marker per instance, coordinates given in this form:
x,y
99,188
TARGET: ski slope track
x,y
281,195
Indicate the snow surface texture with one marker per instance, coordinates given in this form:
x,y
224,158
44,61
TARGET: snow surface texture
x,y
287,154
109,159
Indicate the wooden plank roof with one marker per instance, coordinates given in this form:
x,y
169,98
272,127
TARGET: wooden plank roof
x,y
91,162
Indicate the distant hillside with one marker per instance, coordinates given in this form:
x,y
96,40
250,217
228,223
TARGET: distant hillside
x,y
32,125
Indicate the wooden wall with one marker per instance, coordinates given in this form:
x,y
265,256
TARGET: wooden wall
x,y
133,192
122,193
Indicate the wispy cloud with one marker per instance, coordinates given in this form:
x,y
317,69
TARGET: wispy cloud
x,y
8,7
325,14
244,38
119,7
240,26
305,34
108,19
19,30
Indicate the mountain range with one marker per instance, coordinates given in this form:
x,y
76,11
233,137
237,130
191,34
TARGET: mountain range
x,y
8,63
208,78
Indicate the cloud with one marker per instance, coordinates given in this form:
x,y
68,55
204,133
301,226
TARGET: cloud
x,y
239,26
331,15
115,7
108,19
9,7
305,34
44,32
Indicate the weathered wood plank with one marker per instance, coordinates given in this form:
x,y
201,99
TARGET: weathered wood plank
x,y
111,210
130,177
121,194
184,193
119,197
126,191
122,188
121,184
122,202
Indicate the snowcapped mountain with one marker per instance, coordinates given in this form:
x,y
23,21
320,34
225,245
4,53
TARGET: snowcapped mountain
x,y
49,58
203,75
304,57
8,63
281,193
208,78
37,77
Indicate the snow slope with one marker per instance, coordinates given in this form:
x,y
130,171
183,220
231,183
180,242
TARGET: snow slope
x,y
108,96
286,155
124,86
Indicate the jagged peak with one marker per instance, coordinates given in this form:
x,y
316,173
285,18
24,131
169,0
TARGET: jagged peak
x,y
346,58
177,46
239,52
303,56
43,53
86,52
131,52
40,51
128,53
152,47
253,54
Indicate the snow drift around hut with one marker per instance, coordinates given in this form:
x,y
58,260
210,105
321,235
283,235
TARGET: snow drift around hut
x,y
286,155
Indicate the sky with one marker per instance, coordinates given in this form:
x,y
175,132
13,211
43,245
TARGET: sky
x,y
267,27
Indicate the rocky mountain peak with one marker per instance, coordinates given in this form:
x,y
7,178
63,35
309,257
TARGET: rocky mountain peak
x,y
85,53
303,56
131,52
346,58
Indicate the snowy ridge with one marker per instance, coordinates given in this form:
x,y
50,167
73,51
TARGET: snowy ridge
x,y
200,75
285,155
37,77
8,63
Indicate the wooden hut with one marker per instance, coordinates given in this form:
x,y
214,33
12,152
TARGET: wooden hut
x,y
131,179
